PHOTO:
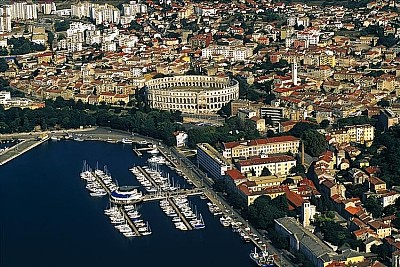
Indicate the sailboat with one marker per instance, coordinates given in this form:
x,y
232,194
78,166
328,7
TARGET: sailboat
x,y
262,258
199,223
148,231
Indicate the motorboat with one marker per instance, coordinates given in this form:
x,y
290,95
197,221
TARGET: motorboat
x,y
262,258
126,141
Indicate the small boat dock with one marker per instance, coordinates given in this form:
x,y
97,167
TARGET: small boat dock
x,y
148,177
180,215
129,221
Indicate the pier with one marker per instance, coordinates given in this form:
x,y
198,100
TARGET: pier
x,y
184,220
101,183
137,152
20,149
148,177
129,221
182,192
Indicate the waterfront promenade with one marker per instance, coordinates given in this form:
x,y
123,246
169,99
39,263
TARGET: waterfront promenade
x,y
18,149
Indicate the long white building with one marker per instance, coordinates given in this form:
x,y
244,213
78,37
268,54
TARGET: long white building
x,y
278,165
235,53
251,148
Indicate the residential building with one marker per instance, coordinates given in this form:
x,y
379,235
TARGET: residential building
x,y
274,145
235,53
279,165
360,134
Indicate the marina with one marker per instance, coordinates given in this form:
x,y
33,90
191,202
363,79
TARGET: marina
x,y
149,198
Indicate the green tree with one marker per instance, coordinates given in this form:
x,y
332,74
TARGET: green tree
x,y
373,205
3,65
61,26
383,103
314,142
265,172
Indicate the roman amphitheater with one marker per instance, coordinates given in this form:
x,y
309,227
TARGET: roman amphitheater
x,y
191,94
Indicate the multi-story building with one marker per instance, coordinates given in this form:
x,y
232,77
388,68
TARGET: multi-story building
x,y
278,165
212,161
361,134
5,19
274,145
276,114
133,8
235,53
23,11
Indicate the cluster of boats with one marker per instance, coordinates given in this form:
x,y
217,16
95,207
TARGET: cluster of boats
x,y
120,222
182,211
262,258
92,184
157,182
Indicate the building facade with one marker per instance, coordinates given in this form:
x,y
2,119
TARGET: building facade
x,y
277,165
212,161
274,145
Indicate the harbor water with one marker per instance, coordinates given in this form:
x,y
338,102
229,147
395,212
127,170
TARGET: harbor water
x,y
47,217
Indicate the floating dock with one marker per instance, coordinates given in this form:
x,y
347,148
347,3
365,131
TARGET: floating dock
x,y
101,183
177,210
129,221
137,152
148,177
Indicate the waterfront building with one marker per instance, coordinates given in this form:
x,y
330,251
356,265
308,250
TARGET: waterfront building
x,y
181,138
274,145
212,161
279,165
191,94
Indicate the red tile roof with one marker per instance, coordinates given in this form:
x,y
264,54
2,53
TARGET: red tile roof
x,y
235,174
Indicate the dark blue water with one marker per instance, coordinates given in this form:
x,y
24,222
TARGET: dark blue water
x,y
47,217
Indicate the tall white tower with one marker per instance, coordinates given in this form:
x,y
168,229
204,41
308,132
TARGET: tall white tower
x,y
307,213
294,72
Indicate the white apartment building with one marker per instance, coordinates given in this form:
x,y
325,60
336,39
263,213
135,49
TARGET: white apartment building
x,y
109,46
212,161
312,36
106,14
23,11
4,97
133,8
127,40
47,8
76,36
251,148
5,19
236,53
278,165
81,10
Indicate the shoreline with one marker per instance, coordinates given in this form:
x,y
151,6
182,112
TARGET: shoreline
x,y
20,152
